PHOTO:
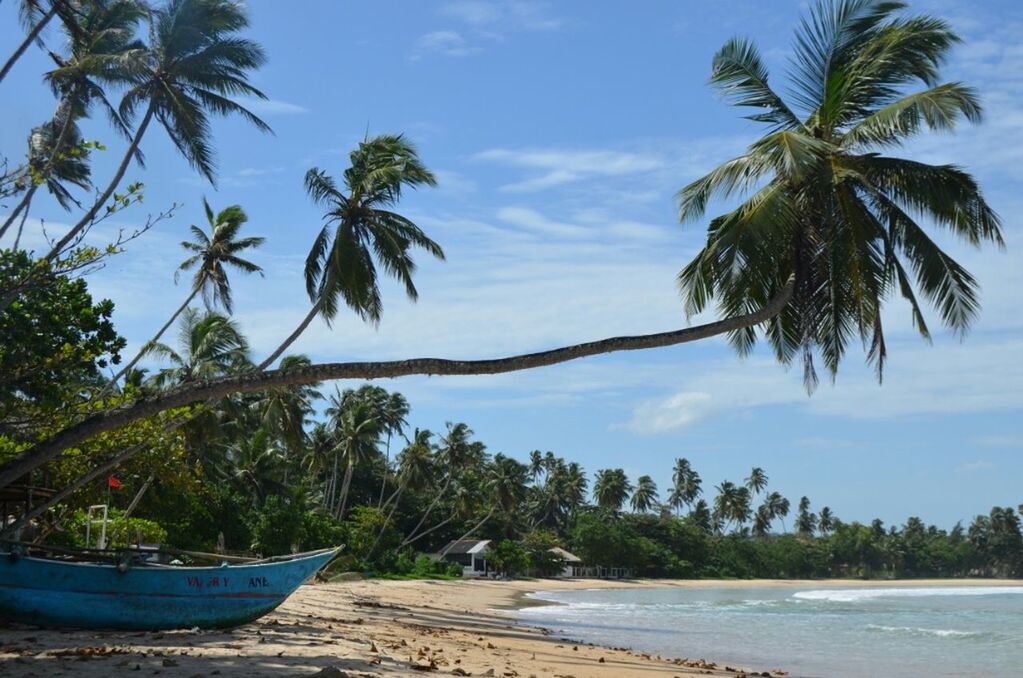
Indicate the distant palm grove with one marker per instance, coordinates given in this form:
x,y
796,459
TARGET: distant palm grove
x,y
198,443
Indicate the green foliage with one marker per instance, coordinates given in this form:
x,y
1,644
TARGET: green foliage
x,y
508,557
277,527
121,532
541,560
55,338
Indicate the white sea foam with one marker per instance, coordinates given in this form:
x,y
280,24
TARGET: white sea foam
x,y
858,595
917,631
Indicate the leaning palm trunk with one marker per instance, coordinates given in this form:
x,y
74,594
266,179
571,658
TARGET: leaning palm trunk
x,y
383,528
23,205
412,536
426,532
471,531
29,39
256,381
291,338
145,347
346,485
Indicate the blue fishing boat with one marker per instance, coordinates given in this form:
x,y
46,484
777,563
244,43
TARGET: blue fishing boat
x,y
133,592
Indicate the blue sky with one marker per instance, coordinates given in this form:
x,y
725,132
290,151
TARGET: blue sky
x,y
560,133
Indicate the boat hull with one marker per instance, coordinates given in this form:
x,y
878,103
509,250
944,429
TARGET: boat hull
x,y
91,595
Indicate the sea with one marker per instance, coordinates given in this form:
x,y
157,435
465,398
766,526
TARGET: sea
x,y
889,631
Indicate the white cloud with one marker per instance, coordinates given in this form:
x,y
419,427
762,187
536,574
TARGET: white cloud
x,y
558,167
505,15
444,43
271,106
974,466
671,413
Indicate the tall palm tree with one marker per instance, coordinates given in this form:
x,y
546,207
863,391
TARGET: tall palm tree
x,y
453,453
211,255
192,66
644,497
776,507
825,521
732,504
757,480
358,432
395,414
611,488
700,515
806,520
825,210
283,412
361,227
415,469
101,41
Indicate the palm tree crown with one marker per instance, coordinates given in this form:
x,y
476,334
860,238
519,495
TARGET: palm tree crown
x,y
217,250
828,218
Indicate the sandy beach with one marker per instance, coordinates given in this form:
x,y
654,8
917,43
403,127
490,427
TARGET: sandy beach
x,y
381,628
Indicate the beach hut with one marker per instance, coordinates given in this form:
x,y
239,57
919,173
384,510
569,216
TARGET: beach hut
x,y
469,554
573,563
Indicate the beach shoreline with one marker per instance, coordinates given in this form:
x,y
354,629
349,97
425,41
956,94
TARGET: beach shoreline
x,y
390,628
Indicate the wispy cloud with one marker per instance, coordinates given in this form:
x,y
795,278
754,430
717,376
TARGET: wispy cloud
x,y
271,106
443,43
558,167
974,466
504,15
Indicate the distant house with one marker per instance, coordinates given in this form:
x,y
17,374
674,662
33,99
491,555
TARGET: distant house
x,y
573,563
469,554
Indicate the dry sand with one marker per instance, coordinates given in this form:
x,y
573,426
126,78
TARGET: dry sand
x,y
376,628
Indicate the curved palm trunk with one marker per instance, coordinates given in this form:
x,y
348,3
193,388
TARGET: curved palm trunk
x,y
426,532
142,351
21,228
29,39
291,338
21,206
387,469
429,509
256,381
395,496
471,531
346,485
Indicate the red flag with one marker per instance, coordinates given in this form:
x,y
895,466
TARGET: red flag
x,y
113,483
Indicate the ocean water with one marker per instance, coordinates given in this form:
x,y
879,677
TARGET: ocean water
x,y
888,631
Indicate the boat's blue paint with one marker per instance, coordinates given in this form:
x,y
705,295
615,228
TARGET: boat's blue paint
x,y
91,595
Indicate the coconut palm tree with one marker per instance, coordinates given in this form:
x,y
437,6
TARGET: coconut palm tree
x,y
644,497
284,412
775,507
756,481
358,432
47,167
700,515
395,413
506,488
806,520
611,488
194,65
762,521
211,255
732,504
35,16
827,234
210,345
360,227
825,208
101,41
453,454
825,521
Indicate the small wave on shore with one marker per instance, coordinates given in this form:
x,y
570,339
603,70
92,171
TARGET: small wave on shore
x,y
858,595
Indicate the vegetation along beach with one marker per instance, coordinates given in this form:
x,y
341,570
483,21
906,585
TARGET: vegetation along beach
x,y
510,338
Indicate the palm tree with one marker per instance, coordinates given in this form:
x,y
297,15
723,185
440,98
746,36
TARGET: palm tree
x,y
50,168
284,412
358,432
101,39
762,521
806,520
210,345
826,521
415,469
813,252
213,253
35,15
700,515
757,480
454,453
732,504
395,413
644,497
506,488
829,213
611,488
193,65
360,226
776,507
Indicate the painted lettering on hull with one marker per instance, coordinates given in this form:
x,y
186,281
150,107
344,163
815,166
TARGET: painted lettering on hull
x,y
259,583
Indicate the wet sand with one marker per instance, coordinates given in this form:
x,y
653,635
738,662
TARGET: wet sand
x,y
380,628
